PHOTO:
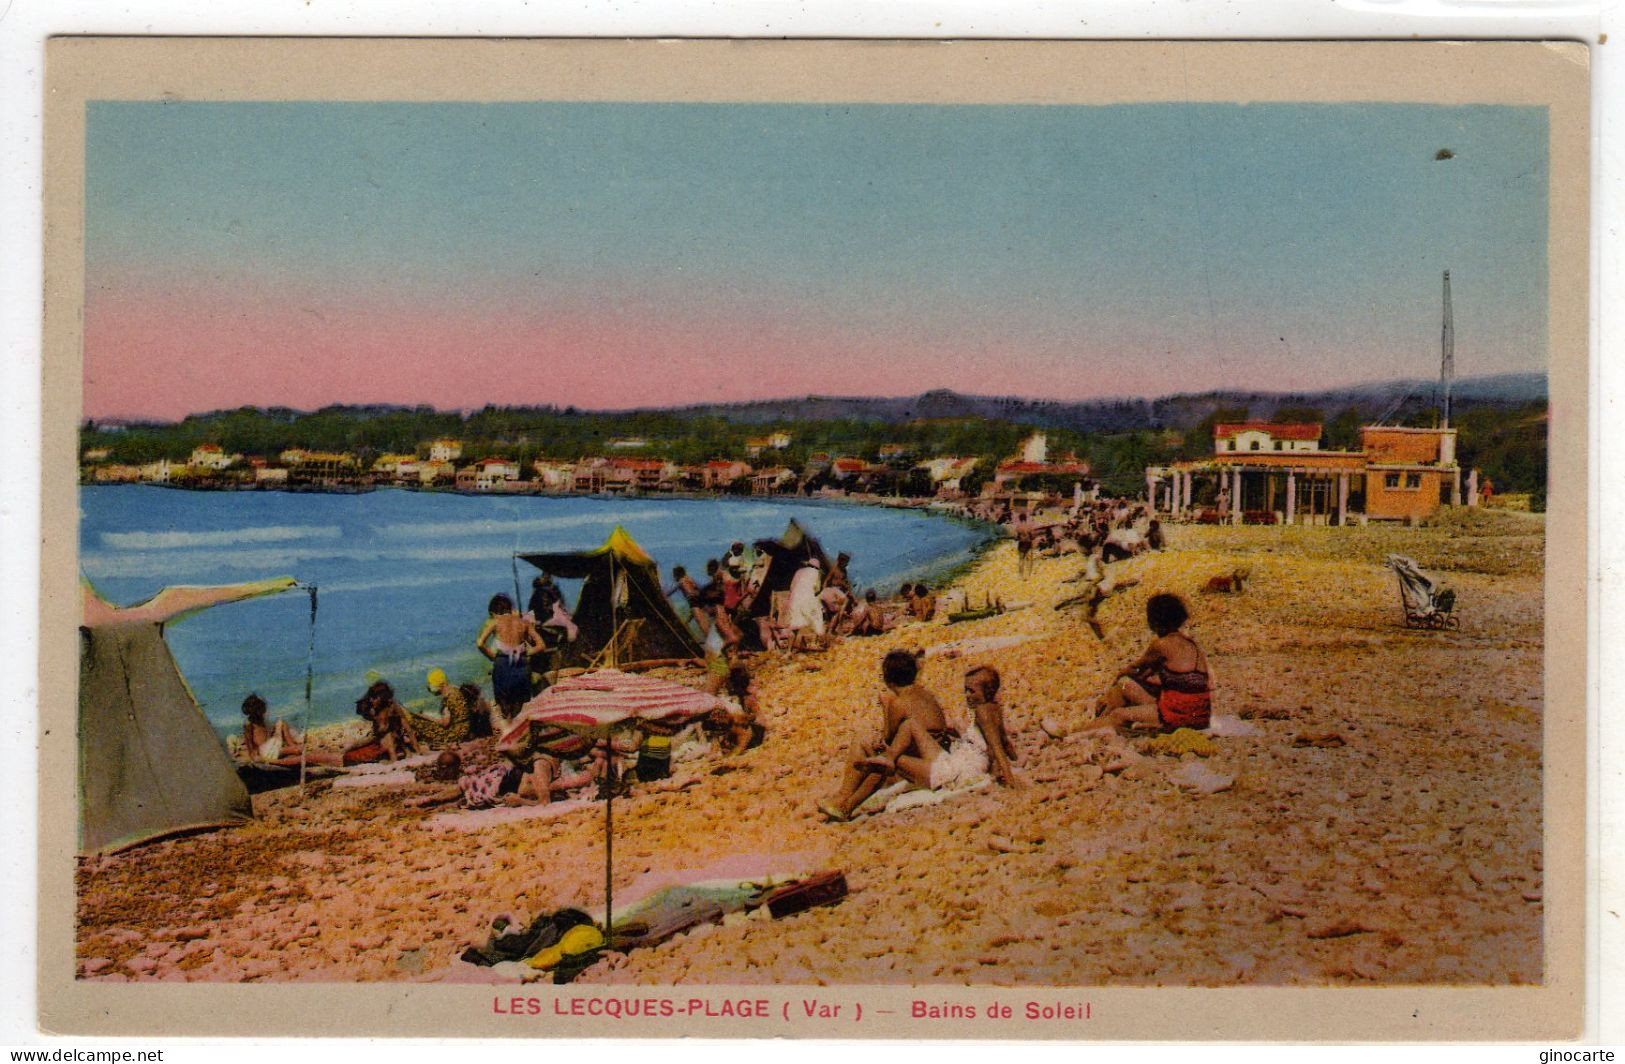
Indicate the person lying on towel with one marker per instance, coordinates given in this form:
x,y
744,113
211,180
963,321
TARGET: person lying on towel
x,y
503,783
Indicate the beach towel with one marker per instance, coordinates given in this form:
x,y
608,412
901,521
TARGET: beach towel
x,y
481,819
401,777
964,762
903,795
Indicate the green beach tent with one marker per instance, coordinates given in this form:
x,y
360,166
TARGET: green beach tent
x,y
150,764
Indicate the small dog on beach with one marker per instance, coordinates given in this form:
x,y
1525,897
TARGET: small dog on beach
x,y
1233,584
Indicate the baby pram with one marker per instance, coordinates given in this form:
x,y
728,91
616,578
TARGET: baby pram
x,y
1426,603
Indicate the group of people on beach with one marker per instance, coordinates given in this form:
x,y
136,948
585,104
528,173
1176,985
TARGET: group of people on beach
x,y
818,605
1166,687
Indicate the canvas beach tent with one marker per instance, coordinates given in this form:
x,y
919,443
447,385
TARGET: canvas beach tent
x,y
621,601
150,764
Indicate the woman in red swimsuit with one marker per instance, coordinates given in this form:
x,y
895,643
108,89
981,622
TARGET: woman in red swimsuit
x,y
1168,684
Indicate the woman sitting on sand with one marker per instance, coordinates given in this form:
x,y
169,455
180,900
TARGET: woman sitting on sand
x,y
265,744
1168,684
452,724
508,640
392,736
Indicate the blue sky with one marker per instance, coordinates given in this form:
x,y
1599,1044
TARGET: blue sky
x,y
1075,251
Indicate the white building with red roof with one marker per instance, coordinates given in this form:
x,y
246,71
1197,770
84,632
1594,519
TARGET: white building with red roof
x,y
1248,436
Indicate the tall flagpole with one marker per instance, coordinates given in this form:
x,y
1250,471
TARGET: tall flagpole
x,y
1447,362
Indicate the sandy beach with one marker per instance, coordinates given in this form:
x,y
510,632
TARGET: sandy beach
x,y
1381,824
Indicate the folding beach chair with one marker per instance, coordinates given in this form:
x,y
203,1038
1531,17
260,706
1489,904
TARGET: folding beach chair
x,y
1426,604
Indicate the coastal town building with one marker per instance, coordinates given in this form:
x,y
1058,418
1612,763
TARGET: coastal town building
x,y
641,474
948,473
772,481
436,471
591,476
445,449
326,467
773,441
493,474
114,473
554,476
720,472
211,457
156,472
97,454
1250,436
847,467
389,465
1277,474
270,474
629,443
1035,449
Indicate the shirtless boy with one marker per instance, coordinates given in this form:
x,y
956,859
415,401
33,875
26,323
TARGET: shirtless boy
x,y
915,727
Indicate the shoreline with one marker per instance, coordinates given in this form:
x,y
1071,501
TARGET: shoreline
x,y
1371,858
940,570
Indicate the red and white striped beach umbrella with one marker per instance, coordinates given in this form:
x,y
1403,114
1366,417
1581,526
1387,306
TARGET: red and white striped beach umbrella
x,y
596,703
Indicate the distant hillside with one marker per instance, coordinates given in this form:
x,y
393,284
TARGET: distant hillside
x,y
1394,399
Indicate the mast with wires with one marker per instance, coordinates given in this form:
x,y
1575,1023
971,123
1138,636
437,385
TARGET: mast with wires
x,y
1447,359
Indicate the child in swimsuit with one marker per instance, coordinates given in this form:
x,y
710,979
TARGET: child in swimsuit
x,y
916,733
1168,685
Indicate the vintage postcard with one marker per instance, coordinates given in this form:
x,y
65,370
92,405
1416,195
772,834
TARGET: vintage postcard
x,y
862,540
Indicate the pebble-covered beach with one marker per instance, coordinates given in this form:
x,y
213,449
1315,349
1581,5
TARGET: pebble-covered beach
x,y
1381,823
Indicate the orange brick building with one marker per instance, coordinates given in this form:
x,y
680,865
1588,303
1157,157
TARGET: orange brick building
x,y
1261,473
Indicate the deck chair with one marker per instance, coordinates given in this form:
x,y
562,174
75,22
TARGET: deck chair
x,y
620,645
1426,603
778,618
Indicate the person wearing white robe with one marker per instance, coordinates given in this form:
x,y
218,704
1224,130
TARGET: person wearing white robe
x,y
806,610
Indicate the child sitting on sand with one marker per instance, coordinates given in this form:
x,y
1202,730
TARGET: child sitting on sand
x,y
913,723
867,617
1168,684
736,732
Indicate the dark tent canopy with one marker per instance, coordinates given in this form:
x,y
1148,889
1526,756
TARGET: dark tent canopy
x,y
150,765
621,598
785,555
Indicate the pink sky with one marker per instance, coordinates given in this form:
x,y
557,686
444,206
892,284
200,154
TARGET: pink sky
x,y
171,353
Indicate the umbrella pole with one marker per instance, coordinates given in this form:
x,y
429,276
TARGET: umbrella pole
x,y
310,668
609,838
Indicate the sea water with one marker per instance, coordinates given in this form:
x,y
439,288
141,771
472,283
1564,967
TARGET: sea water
x,y
403,577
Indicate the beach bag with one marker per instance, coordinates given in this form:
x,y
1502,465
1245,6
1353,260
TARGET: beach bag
x,y
825,888
508,944
654,758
